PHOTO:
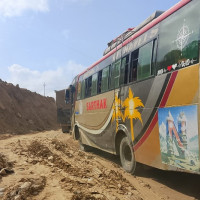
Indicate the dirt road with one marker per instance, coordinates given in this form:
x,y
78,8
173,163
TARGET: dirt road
x,y
49,165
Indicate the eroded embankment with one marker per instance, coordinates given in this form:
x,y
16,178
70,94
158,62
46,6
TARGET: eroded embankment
x,y
22,111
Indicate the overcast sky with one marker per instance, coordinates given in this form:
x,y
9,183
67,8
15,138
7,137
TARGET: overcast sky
x,y
51,41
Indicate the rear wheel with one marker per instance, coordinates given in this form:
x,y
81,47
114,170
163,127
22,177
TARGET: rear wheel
x,y
65,129
127,156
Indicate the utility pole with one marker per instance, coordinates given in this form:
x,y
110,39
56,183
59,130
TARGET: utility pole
x,y
44,88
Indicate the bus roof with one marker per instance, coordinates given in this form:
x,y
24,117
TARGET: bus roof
x,y
141,31
129,32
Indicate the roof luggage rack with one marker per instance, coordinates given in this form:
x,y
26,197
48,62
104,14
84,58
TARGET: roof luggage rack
x,y
129,32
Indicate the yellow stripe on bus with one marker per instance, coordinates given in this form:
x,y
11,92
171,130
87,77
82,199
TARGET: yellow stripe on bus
x,y
185,88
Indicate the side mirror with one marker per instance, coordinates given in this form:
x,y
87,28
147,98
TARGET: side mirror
x,y
72,88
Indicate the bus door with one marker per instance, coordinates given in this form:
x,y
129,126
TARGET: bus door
x,y
123,80
115,84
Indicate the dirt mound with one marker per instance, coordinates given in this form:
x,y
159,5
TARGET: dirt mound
x,y
22,111
60,146
83,196
4,163
5,166
48,157
26,188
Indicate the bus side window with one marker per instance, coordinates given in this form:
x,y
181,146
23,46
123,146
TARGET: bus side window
x,y
144,61
79,91
115,74
105,78
88,86
111,86
154,54
94,84
99,82
124,70
83,89
133,66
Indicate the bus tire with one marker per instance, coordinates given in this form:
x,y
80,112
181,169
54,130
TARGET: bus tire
x,y
65,129
127,156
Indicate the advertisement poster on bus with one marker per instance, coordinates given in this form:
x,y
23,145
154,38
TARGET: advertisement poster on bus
x,y
179,142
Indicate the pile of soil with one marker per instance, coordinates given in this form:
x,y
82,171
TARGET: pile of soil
x,y
23,111
4,162
5,166
26,188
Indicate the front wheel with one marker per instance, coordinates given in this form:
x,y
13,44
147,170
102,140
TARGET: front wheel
x,y
83,147
127,156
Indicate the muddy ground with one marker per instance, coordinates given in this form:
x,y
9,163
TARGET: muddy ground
x,y
49,165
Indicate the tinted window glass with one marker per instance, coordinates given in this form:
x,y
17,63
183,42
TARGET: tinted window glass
x,y
79,91
88,86
83,89
124,70
99,82
133,66
144,61
178,40
105,78
112,77
115,74
94,84
153,64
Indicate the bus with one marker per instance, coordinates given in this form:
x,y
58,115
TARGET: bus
x,y
141,99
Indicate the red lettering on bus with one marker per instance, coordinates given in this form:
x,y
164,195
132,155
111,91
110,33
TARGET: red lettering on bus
x,y
92,105
104,103
97,104
101,104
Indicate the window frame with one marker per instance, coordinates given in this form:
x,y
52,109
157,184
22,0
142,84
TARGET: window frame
x,y
141,76
133,66
107,79
112,67
88,86
112,80
94,85
127,65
